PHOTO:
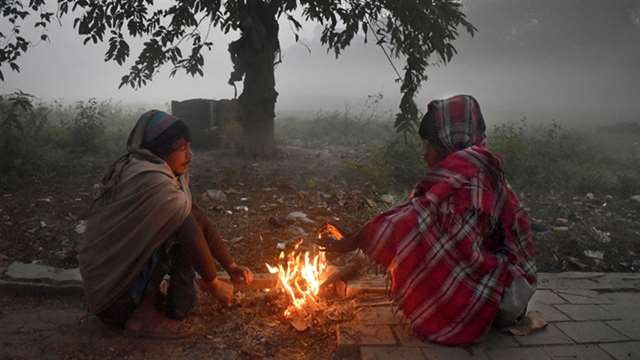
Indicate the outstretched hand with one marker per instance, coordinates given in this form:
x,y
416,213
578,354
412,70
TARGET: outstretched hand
x,y
329,240
240,275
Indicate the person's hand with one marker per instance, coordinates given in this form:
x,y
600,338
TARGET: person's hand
x,y
331,244
219,289
240,274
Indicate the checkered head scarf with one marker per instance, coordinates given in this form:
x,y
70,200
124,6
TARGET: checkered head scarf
x,y
455,123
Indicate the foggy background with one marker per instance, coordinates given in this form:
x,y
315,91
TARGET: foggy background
x,y
547,59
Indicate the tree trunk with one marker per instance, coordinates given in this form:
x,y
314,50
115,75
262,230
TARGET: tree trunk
x,y
258,99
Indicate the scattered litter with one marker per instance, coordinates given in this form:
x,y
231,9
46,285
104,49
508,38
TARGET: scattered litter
x,y
244,199
590,196
241,208
215,195
577,262
228,212
560,228
636,198
81,227
235,239
387,198
300,216
46,199
562,221
43,224
281,246
594,254
603,236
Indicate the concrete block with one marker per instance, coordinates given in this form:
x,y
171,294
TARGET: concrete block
x,y
623,351
581,352
550,335
378,315
18,271
518,354
630,327
547,297
576,296
586,312
391,353
360,334
590,332
549,312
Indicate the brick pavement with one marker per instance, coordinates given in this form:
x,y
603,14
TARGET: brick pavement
x,y
589,315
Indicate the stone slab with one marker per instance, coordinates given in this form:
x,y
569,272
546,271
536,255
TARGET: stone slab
x,y
586,312
576,296
622,311
590,332
519,354
623,351
375,285
546,297
378,315
436,352
19,271
390,353
549,312
23,288
359,334
577,352
550,335
630,328
405,338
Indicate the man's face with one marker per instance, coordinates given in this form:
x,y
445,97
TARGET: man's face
x,y
180,158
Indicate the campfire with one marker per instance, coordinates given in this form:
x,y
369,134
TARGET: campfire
x,y
301,275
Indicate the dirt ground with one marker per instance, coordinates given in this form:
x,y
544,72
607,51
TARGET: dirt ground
x,y
39,222
252,328
39,219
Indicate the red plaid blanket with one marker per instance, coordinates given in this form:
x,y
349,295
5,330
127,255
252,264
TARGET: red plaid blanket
x,y
454,247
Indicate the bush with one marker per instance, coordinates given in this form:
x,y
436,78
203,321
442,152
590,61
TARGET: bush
x,y
21,125
546,157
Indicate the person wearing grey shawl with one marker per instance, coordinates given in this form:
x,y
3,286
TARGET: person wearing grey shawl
x,y
142,226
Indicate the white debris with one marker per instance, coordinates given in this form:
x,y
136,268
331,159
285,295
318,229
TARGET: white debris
x,y
299,216
241,208
636,198
43,224
228,212
46,199
603,236
560,228
590,196
594,254
387,198
281,246
215,195
81,227
244,199
235,239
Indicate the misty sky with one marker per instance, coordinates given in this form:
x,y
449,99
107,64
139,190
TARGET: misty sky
x,y
550,56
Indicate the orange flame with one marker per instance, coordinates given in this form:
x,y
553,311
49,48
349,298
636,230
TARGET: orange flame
x,y
301,277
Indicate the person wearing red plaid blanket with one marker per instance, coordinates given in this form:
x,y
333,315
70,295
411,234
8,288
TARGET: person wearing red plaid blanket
x,y
459,252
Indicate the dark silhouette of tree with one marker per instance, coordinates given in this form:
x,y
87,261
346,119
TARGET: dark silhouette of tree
x,y
412,30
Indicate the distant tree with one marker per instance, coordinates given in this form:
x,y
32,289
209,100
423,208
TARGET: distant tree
x,y
412,30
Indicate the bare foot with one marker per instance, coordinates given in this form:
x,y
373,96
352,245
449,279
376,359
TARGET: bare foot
x,y
146,321
219,289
